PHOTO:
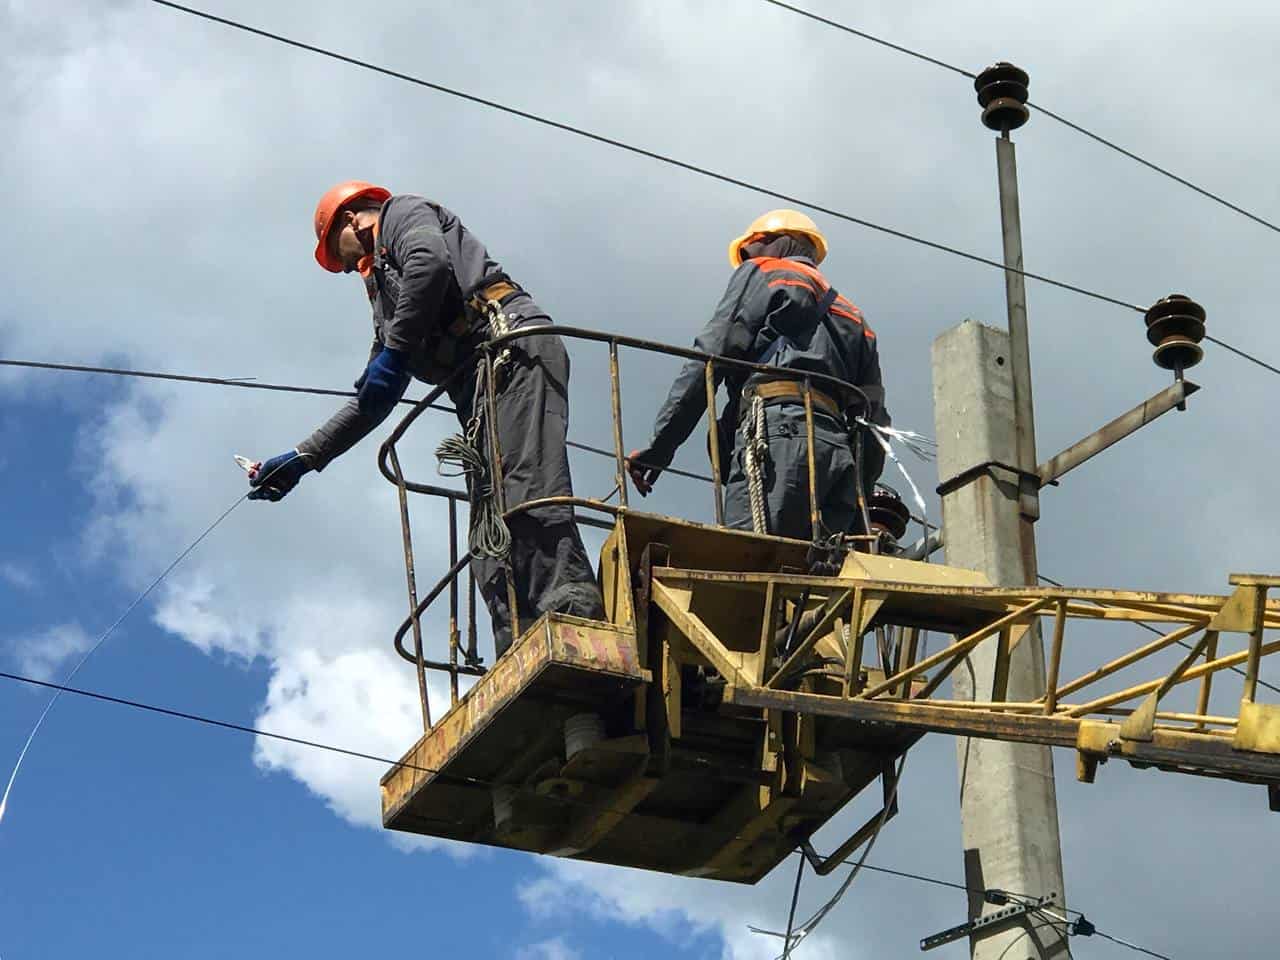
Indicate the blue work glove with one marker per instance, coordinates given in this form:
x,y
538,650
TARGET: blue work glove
x,y
383,383
273,479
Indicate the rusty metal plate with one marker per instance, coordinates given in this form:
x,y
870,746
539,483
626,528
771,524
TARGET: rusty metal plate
x,y
553,640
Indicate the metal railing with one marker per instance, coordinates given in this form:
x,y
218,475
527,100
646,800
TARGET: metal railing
x,y
389,466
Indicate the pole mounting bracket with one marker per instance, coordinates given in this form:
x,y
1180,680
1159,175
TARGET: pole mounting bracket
x,y
1004,915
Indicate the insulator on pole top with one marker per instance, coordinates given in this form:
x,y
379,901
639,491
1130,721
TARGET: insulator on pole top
x,y
1175,327
1002,94
888,514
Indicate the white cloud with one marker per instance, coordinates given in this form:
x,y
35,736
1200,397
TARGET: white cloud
x,y
178,177
18,577
41,655
554,949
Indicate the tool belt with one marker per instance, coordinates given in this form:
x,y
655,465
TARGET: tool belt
x,y
443,354
495,291
788,390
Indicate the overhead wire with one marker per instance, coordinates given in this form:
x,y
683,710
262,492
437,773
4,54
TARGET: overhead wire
x,y
1163,171
286,388
190,716
247,383
874,39
682,164
303,742
655,156
639,151
1082,927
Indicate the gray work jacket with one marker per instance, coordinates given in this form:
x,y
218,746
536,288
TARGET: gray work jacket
x,y
426,265
767,314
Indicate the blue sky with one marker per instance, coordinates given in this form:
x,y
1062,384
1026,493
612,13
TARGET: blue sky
x,y
132,835
164,173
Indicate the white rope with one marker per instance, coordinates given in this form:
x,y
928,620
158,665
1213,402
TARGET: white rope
x,y
753,460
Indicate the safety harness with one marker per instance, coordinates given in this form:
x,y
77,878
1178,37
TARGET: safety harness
x,y
488,536
755,454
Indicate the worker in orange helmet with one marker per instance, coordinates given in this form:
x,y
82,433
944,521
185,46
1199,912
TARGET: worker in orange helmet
x,y
781,311
437,295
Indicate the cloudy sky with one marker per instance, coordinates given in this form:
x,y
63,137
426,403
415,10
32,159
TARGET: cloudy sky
x,y
161,173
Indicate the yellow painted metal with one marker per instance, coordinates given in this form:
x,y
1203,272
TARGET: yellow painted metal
x,y
1259,729
796,741
1243,612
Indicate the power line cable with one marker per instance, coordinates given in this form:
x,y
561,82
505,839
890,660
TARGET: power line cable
x,y
1082,927
600,451
1035,106
298,741
684,165
640,151
874,39
247,383
1240,353
254,385
364,755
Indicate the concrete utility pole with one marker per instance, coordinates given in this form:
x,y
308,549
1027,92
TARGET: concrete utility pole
x,y
990,500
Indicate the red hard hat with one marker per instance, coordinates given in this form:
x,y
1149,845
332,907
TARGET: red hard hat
x,y
327,209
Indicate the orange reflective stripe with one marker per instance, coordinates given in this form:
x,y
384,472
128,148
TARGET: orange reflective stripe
x,y
793,283
841,308
770,264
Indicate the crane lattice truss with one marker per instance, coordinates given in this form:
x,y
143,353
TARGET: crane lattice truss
x,y
731,702
1077,712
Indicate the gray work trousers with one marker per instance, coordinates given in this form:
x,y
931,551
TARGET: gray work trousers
x,y
548,563
786,475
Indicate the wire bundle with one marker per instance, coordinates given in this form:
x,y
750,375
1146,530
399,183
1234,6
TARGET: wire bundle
x,y
488,536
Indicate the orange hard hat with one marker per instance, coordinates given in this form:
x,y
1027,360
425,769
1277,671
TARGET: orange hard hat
x,y
780,221
327,210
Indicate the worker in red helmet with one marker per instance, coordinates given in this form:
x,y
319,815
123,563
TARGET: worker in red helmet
x,y
781,311
437,295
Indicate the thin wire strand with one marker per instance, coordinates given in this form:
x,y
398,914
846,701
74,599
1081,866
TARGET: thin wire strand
x,y
22,754
640,151
13,776
1035,106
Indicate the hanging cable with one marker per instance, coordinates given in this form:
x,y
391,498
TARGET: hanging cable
x,y
1035,106
22,754
793,940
